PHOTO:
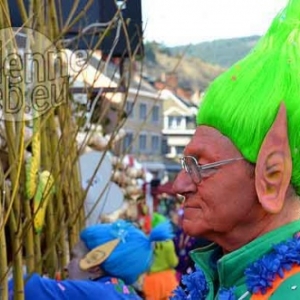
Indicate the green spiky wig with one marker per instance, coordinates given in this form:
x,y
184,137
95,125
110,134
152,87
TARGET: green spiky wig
x,y
243,102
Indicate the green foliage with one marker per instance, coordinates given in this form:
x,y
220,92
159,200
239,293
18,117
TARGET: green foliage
x,y
150,49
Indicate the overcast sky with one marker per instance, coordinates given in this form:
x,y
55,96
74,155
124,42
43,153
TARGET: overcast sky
x,y
174,22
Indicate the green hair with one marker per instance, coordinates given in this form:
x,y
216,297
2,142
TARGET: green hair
x,y
243,102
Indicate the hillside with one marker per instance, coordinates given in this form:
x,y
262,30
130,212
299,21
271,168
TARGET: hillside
x,y
193,73
195,65
220,52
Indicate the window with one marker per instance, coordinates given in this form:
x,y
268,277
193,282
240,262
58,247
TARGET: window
x,y
142,142
191,122
129,109
175,122
179,150
155,145
165,148
155,114
127,143
143,111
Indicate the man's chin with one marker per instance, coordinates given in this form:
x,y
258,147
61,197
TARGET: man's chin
x,y
193,228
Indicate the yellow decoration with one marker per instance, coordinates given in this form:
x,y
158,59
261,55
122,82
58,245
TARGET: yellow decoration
x,y
31,178
43,194
33,164
36,145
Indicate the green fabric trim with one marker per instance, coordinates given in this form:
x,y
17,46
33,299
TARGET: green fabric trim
x,y
231,267
201,257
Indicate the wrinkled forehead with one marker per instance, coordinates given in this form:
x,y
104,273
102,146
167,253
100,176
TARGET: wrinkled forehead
x,y
211,143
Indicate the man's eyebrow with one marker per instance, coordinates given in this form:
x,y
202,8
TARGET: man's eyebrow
x,y
194,150
198,151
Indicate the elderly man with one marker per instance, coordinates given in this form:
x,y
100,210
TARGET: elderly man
x,y
241,174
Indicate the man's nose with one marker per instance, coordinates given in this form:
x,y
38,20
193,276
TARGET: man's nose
x,y
184,184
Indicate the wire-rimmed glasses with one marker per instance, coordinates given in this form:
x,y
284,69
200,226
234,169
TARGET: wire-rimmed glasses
x,y
190,165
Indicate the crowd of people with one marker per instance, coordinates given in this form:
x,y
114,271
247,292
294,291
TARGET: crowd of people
x,y
123,259
106,264
118,260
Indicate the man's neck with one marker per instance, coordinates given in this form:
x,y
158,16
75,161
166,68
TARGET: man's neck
x,y
244,234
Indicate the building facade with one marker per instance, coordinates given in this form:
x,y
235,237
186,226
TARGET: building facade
x,y
179,123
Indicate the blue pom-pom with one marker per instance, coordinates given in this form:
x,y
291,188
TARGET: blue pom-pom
x,y
196,287
179,294
261,274
227,294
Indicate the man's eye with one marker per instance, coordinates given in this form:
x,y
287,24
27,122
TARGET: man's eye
x,y
208,172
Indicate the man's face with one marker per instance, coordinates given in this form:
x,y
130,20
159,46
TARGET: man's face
x,y
224,200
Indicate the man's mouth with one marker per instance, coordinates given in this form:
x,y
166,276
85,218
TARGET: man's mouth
x,y
191,207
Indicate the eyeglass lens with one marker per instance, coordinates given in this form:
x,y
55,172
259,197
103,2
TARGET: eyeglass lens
x,y
191,166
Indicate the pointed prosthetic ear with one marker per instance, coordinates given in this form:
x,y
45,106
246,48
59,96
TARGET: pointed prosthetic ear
x,y
274,165
98,255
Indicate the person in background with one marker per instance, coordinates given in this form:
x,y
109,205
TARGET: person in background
x,y
107,260
161,280
241,174
144,216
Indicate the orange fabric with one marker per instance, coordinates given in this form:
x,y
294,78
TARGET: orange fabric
x,y
159,285
58,275
295,269
114,280
147,224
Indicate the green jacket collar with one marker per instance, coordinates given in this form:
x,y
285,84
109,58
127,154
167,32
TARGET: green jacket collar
x,y
229,269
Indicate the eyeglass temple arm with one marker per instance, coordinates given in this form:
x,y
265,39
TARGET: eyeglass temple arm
x,y
220,163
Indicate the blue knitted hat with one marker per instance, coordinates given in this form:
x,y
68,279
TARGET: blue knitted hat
x,y
133,255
